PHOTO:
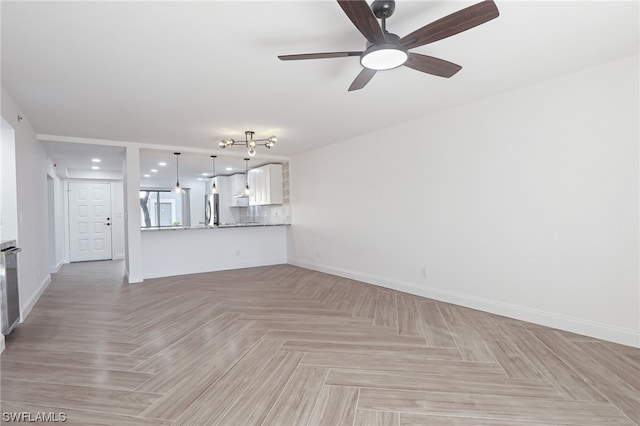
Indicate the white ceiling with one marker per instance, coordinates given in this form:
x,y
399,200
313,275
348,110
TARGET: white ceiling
x,y
73,158
186,74
193,166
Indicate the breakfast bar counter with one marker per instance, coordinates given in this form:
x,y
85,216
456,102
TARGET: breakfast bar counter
x,y
170,252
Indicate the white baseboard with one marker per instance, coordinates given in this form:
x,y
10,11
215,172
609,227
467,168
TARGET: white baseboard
x,y
55,269
201,270
118,256
132,279
26,310
1,343
549,319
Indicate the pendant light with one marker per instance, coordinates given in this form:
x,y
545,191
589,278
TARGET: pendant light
x,y
177,189
246,187
213,189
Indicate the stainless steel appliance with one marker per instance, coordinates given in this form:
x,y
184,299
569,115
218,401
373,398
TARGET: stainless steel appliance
x,y
10,299
211,210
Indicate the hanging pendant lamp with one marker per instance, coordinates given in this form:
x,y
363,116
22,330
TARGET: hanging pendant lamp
x,y
214,189
177,189
247,191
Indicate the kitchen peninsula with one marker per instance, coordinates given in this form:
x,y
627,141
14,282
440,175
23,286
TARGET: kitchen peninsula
x,y
205,249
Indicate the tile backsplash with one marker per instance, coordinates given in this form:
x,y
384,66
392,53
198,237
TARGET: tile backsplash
x,y
260,214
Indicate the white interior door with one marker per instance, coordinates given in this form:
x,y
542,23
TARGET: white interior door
x,y
89,221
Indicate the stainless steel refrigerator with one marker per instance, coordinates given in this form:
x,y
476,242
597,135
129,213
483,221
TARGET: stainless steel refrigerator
x,y
211,210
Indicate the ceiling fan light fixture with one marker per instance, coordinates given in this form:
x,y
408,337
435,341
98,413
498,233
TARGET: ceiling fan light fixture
x,y
384,56
385,50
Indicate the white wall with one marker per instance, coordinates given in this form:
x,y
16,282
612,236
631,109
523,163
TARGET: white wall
x,y
31,184
131,189
117,219
8,201
524,204
176,252
56,218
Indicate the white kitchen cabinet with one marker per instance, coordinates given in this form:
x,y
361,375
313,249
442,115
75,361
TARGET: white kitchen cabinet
x,y
237,183
265,185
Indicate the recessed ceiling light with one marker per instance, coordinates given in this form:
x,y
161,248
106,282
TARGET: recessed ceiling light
x,y
147,175
200,179
162,163
95,168
229,169
154,170
96,160
205,174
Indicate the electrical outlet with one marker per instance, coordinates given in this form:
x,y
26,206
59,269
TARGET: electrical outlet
x,y
423,272
237,252
318,254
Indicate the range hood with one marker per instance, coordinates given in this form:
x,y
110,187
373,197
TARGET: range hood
x,y
244,192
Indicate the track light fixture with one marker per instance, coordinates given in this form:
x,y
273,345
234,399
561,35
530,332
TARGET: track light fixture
x,y
250,143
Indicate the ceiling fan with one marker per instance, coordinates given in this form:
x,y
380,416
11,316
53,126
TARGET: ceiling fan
x,y
385,50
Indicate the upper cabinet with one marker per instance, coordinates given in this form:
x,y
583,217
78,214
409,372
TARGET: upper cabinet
x,y
237,183
265,184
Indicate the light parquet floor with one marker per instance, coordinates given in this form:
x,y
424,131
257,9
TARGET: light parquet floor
x,y
283,345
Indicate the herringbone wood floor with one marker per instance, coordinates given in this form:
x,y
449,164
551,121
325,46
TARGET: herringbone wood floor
x,y
287,346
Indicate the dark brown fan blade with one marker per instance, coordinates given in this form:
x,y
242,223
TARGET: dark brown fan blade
x,y
362,79
359,12
432,65
455,23
318,55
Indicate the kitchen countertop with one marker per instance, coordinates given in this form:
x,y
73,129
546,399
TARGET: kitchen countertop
x,y
224,225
